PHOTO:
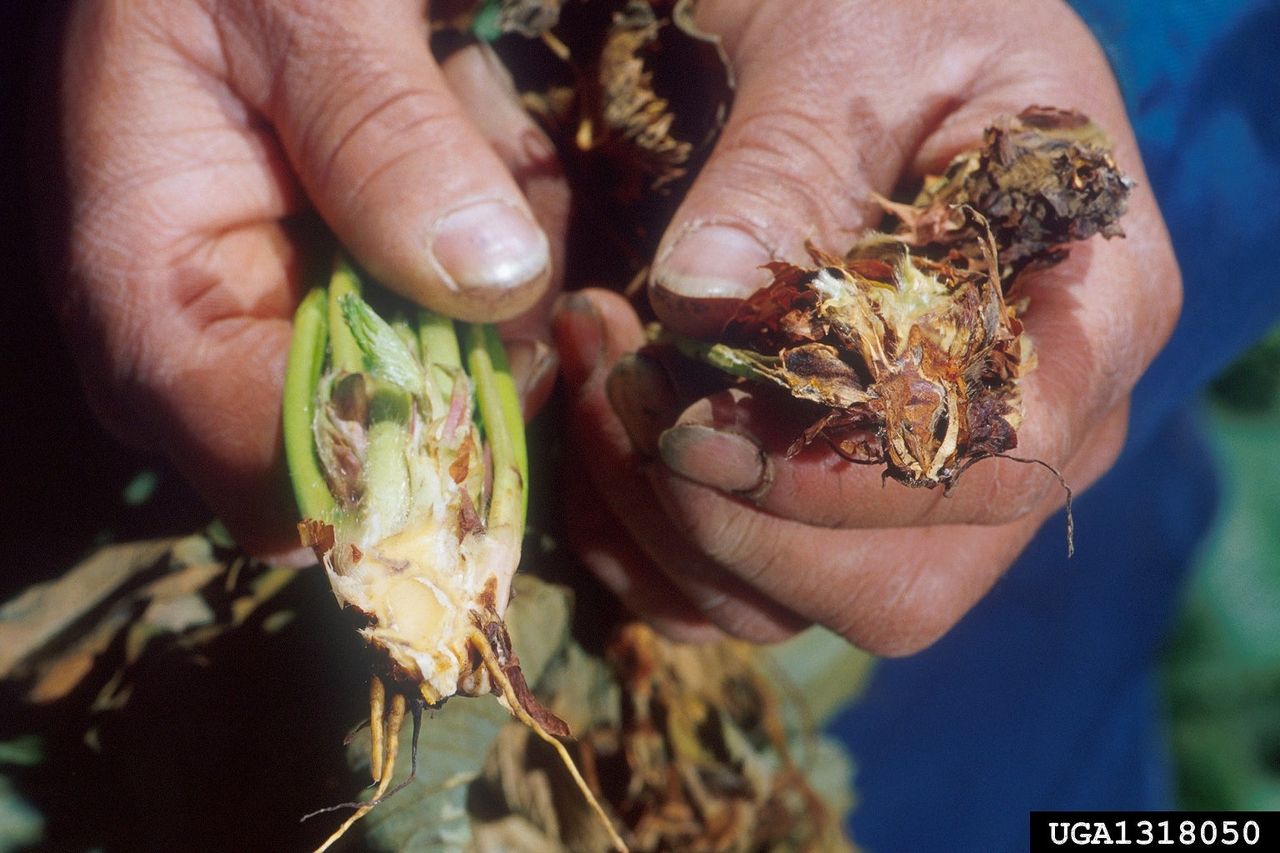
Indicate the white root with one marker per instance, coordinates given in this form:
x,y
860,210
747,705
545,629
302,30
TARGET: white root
x,y
377,707
386,761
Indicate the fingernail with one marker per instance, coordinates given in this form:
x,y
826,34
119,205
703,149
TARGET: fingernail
x,y
728,461
579,331
713,262
489,245
643,399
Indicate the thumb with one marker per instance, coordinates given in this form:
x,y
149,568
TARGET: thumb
x,y
386,153
797,159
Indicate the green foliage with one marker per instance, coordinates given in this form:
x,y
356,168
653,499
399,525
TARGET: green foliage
x,y
1252,383
1222,673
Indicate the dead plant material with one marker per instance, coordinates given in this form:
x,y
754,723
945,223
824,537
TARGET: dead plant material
x,y
697,723
636,121
916,360
634,96
693,746
1041,179
911,342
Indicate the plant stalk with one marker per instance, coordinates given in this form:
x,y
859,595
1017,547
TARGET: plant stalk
x,y
302,376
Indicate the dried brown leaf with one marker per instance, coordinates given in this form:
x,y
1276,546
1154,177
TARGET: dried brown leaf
x,y
529,18
1041,179
900,347
913,340
708,759
31,624
62,675
634,125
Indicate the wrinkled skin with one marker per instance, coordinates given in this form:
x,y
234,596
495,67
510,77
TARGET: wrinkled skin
x,y
193,129
707,525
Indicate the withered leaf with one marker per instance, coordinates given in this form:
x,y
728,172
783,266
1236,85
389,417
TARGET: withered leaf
x,y
815,372
898,346
1041,179
809,371
782,314
105,616
634,96
549,721
528,17
316,535
913,339
707,752
633,117
693,747
646,121
31,624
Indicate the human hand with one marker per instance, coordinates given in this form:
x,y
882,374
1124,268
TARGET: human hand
x,y
192,133
692,513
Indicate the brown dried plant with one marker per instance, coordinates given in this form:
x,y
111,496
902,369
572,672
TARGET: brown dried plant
x,y
912,342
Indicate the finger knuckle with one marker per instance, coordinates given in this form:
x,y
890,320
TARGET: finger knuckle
x,y
784,160
372,121
738,539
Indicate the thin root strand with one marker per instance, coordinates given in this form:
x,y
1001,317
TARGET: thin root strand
x,y
391,745
481,645
1062,481
377,707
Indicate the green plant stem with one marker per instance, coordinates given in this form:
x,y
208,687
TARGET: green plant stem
x,y
503,420
487,24
438,341
302,376
345,355
738,362
387,489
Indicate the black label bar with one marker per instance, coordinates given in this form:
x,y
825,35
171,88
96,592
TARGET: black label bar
x,y
1168,832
